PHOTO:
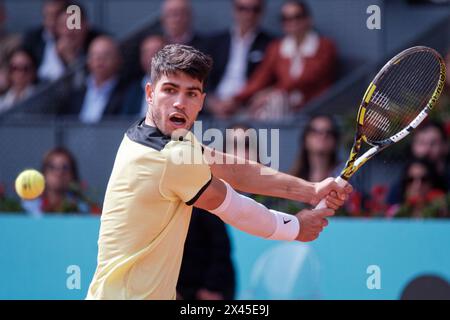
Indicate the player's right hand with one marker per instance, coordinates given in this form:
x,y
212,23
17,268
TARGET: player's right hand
x,y
312,223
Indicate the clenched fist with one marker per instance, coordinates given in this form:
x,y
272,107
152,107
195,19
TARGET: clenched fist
x,y
312,223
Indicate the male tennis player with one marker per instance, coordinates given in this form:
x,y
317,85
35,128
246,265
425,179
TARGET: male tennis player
x,y
150,193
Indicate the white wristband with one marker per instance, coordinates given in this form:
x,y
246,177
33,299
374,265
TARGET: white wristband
x,y
287,228
252,217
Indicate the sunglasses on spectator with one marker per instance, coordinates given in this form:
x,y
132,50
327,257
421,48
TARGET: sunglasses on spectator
x,y
422,179
20,68
64,168
328,133
250,9
294,17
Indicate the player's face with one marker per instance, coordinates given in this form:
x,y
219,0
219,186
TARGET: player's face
x,y
174,102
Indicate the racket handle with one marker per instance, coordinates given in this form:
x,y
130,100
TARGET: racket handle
x,y
322,204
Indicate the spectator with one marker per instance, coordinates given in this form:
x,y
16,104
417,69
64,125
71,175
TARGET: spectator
x,y
207,271
429,142
420,186
134,100
318,155
295,69
176,21
22,78
62,187
72,44
41,41
175,25
102,94
8,44
236,52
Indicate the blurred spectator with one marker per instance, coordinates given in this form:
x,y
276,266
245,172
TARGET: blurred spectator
x,y
318,155
295,69
236,52
8,44
22,78
134,100
207,271
422,192
102,94
41,41
62,187
72,44
429,142
175,25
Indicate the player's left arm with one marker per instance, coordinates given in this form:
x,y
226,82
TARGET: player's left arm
x,y
248,178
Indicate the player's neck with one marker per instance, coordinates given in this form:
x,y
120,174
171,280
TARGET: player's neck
x,y
149,121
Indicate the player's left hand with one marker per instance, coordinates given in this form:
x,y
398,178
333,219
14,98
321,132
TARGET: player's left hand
x,y
335,195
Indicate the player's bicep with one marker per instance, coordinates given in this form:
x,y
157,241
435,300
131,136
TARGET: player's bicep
x,y
213,196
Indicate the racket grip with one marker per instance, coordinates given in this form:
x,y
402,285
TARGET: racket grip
x,y
322,204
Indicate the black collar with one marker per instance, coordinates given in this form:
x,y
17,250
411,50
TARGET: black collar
x,y
147,135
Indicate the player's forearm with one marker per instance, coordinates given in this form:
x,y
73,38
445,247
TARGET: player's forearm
x,y
255,178
273,183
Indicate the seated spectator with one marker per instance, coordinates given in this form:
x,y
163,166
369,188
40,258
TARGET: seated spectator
x,y
72,44
62,187
41,41
8,44
175,25
135,102
102,93
318,155
236,52
420,186
22,79
176,21
295,69
429,142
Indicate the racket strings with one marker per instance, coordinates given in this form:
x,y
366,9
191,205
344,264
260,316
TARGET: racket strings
x,y
401,93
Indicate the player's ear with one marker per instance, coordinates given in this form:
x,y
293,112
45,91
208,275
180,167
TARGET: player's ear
x,y
149,93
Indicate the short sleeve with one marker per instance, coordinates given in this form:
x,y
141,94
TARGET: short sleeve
x,y
186,174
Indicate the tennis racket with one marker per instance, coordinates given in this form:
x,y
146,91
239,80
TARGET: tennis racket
x,y
397,100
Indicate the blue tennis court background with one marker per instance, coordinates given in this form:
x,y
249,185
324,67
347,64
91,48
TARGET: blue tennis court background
x,y
35,255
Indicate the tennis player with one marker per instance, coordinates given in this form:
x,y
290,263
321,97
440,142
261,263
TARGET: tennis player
x,y
150,193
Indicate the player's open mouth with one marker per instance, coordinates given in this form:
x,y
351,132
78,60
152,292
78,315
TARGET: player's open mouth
x,y
178,119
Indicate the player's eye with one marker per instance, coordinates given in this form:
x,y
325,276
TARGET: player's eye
x,y
192,94
169,90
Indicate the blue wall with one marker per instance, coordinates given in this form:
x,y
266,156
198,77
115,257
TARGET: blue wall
x,y
35,255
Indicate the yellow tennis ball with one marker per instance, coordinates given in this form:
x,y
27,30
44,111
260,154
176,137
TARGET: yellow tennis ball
x,y
30,184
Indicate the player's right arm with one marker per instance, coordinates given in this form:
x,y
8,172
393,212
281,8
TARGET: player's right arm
x,y
252,217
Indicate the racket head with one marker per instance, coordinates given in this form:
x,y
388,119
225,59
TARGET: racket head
x,y
397,100
401,95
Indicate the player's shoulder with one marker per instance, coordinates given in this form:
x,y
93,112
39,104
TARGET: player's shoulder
x,y
183,146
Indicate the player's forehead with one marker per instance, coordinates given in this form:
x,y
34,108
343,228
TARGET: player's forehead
x,y
180,80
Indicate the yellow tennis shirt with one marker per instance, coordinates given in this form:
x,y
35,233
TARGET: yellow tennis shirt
x,y
146,214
